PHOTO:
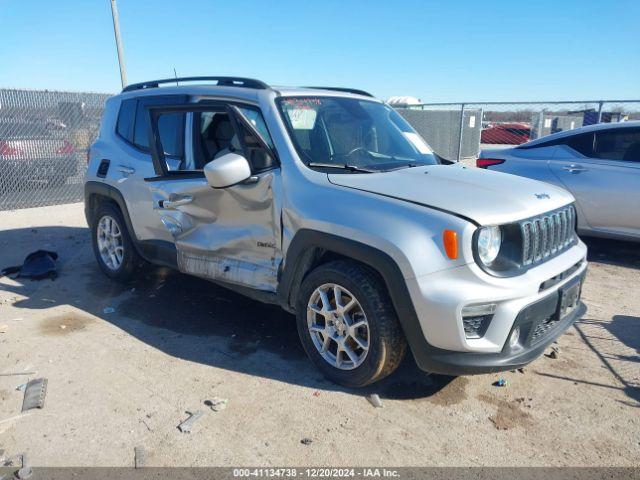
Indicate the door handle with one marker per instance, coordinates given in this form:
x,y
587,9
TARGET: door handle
x,y
127,170
169,204
573,168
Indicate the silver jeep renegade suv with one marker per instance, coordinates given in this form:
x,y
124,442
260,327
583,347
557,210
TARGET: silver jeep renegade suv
x,y
326,202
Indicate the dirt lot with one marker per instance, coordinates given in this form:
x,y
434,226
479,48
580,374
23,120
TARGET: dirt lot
x,y
125,379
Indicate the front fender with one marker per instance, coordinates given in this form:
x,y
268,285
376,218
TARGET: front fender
x,y
299,260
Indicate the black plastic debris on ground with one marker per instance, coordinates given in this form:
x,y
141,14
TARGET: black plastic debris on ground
x,y
553,354
37,265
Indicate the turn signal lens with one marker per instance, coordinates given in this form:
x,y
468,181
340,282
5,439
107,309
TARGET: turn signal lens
x,y
450,239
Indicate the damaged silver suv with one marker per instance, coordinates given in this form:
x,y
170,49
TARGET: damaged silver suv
x,y
326,202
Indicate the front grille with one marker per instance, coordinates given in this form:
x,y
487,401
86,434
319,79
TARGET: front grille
x,y
546,235
543,328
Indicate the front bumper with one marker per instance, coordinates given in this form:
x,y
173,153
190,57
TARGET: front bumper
x,y
447,362
529,301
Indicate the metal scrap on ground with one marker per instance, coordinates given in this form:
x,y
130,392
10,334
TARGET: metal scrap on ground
x,y
140,457
25,470
185,427
34,394
374,399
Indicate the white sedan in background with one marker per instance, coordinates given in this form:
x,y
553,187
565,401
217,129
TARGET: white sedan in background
x,y
598,164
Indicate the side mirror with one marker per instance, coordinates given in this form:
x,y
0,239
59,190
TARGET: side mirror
x,y
227,170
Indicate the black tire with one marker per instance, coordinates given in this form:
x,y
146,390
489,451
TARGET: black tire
x,y
130,258
387,343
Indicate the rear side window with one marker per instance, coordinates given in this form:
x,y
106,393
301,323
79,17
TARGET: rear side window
x,y
618,144
133,124
582,143
141,130
170,128
126,117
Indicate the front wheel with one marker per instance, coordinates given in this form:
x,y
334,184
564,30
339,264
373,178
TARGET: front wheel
x,y
347,324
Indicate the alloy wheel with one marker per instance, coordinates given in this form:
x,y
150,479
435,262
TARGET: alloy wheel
x,y
338,326
109,239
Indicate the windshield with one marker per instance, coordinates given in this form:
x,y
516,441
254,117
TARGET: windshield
x,y
361,134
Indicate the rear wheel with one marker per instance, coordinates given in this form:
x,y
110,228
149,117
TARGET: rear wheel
x,y
347,324
112,243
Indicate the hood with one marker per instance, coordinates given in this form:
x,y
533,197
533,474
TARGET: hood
x,y
484,196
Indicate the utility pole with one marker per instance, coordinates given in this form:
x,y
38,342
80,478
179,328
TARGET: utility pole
x,y
116,32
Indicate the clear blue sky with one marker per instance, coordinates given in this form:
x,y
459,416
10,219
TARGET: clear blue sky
x,y
439,51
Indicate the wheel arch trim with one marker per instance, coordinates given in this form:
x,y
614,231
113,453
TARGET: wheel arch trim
x,y
301,258
92,188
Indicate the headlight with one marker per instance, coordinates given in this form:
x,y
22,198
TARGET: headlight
x,y
489,241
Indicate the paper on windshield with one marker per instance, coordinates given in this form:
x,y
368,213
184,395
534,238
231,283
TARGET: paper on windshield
x,y
302,118
417,142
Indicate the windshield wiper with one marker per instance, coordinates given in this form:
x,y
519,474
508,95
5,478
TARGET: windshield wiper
x,y
343,166
406,165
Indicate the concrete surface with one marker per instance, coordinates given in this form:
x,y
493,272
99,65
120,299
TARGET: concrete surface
x,y
125,379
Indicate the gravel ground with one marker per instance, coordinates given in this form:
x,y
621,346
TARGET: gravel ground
x,y
126,379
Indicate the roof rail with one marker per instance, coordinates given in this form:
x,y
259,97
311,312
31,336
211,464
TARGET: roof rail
x,y
341,89
221,82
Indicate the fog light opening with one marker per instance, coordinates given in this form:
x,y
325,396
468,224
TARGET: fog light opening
x,y
514,337
476,319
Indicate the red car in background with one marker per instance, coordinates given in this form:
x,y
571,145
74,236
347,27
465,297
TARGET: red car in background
x,y
506,133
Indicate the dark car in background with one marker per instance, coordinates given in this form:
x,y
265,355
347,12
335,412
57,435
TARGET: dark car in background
x,y
35,152
506,134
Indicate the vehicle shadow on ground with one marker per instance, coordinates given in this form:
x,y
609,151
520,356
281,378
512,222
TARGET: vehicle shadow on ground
x,y
613,252
626,329
192,319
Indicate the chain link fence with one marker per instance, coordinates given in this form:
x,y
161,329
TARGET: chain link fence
x,y
458,131
44,137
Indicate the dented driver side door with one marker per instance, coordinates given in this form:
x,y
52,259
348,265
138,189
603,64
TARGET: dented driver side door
x,y
231,234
